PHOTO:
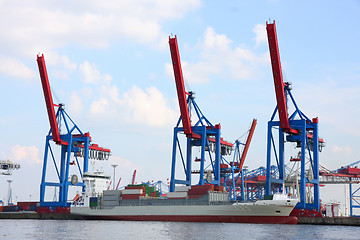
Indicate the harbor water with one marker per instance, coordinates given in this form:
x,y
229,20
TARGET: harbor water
x,y
104,230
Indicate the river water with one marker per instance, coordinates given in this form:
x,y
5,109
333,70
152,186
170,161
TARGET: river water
x,y
103,230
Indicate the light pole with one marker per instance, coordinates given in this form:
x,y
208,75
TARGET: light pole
x,y
114,166
9,202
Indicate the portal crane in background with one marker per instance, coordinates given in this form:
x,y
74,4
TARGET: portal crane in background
x,y
72,141
133,178
297,128
201,134
238,162
6,167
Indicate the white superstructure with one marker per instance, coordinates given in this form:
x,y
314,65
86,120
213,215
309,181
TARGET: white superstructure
x,y
95,183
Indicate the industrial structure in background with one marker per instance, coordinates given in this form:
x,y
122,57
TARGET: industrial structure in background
x,y
349,174
203,135
295,128
7,167
72,141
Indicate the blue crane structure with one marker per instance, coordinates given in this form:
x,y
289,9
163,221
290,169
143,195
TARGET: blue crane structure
x,y
73,142
238,163
354,193
202,134
296,128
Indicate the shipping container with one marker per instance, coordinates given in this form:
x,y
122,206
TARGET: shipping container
x,y
195,196
110,198
177,194
197,191
133,191
182,188
131,196
209,187
219,188
112,192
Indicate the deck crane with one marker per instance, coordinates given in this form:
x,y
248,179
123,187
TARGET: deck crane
x,y
72,141
297,128
203,134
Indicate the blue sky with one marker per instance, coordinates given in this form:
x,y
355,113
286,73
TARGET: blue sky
x,y
110,64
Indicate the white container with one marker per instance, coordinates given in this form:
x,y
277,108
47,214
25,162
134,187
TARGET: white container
x,y
177,194
132,191
112,193
182,188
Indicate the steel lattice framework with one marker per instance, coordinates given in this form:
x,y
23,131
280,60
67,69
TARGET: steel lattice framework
x,y
297,128
72,141
203,135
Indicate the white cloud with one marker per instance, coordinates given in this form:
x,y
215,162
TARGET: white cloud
x,y
135,106
261,36
53,58
15,68
213,40
75,104
39,27
33,26
26,154
337,96
92,75
344,150
220,58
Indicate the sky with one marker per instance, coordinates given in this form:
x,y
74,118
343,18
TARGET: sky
x,y
110,64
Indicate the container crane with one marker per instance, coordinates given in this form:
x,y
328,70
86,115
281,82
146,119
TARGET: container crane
x,y
73,141
236,172
133,178
247,144
203,134
6,167
297,128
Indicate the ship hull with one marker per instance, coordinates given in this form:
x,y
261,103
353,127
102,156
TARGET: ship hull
x,y
187,218
260,212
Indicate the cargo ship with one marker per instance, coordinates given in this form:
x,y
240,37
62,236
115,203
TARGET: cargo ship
x,y
198,203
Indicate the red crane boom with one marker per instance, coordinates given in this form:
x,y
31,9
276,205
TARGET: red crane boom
x,y
247,144
278,78
179,80
48,99
133,178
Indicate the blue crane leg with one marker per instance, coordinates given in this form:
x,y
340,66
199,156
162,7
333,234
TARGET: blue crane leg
x,y
173,162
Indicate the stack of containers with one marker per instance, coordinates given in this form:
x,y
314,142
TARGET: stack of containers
x,y
134,192
198,191
11,208
181,192
219,188
155,194
111,198
27,206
